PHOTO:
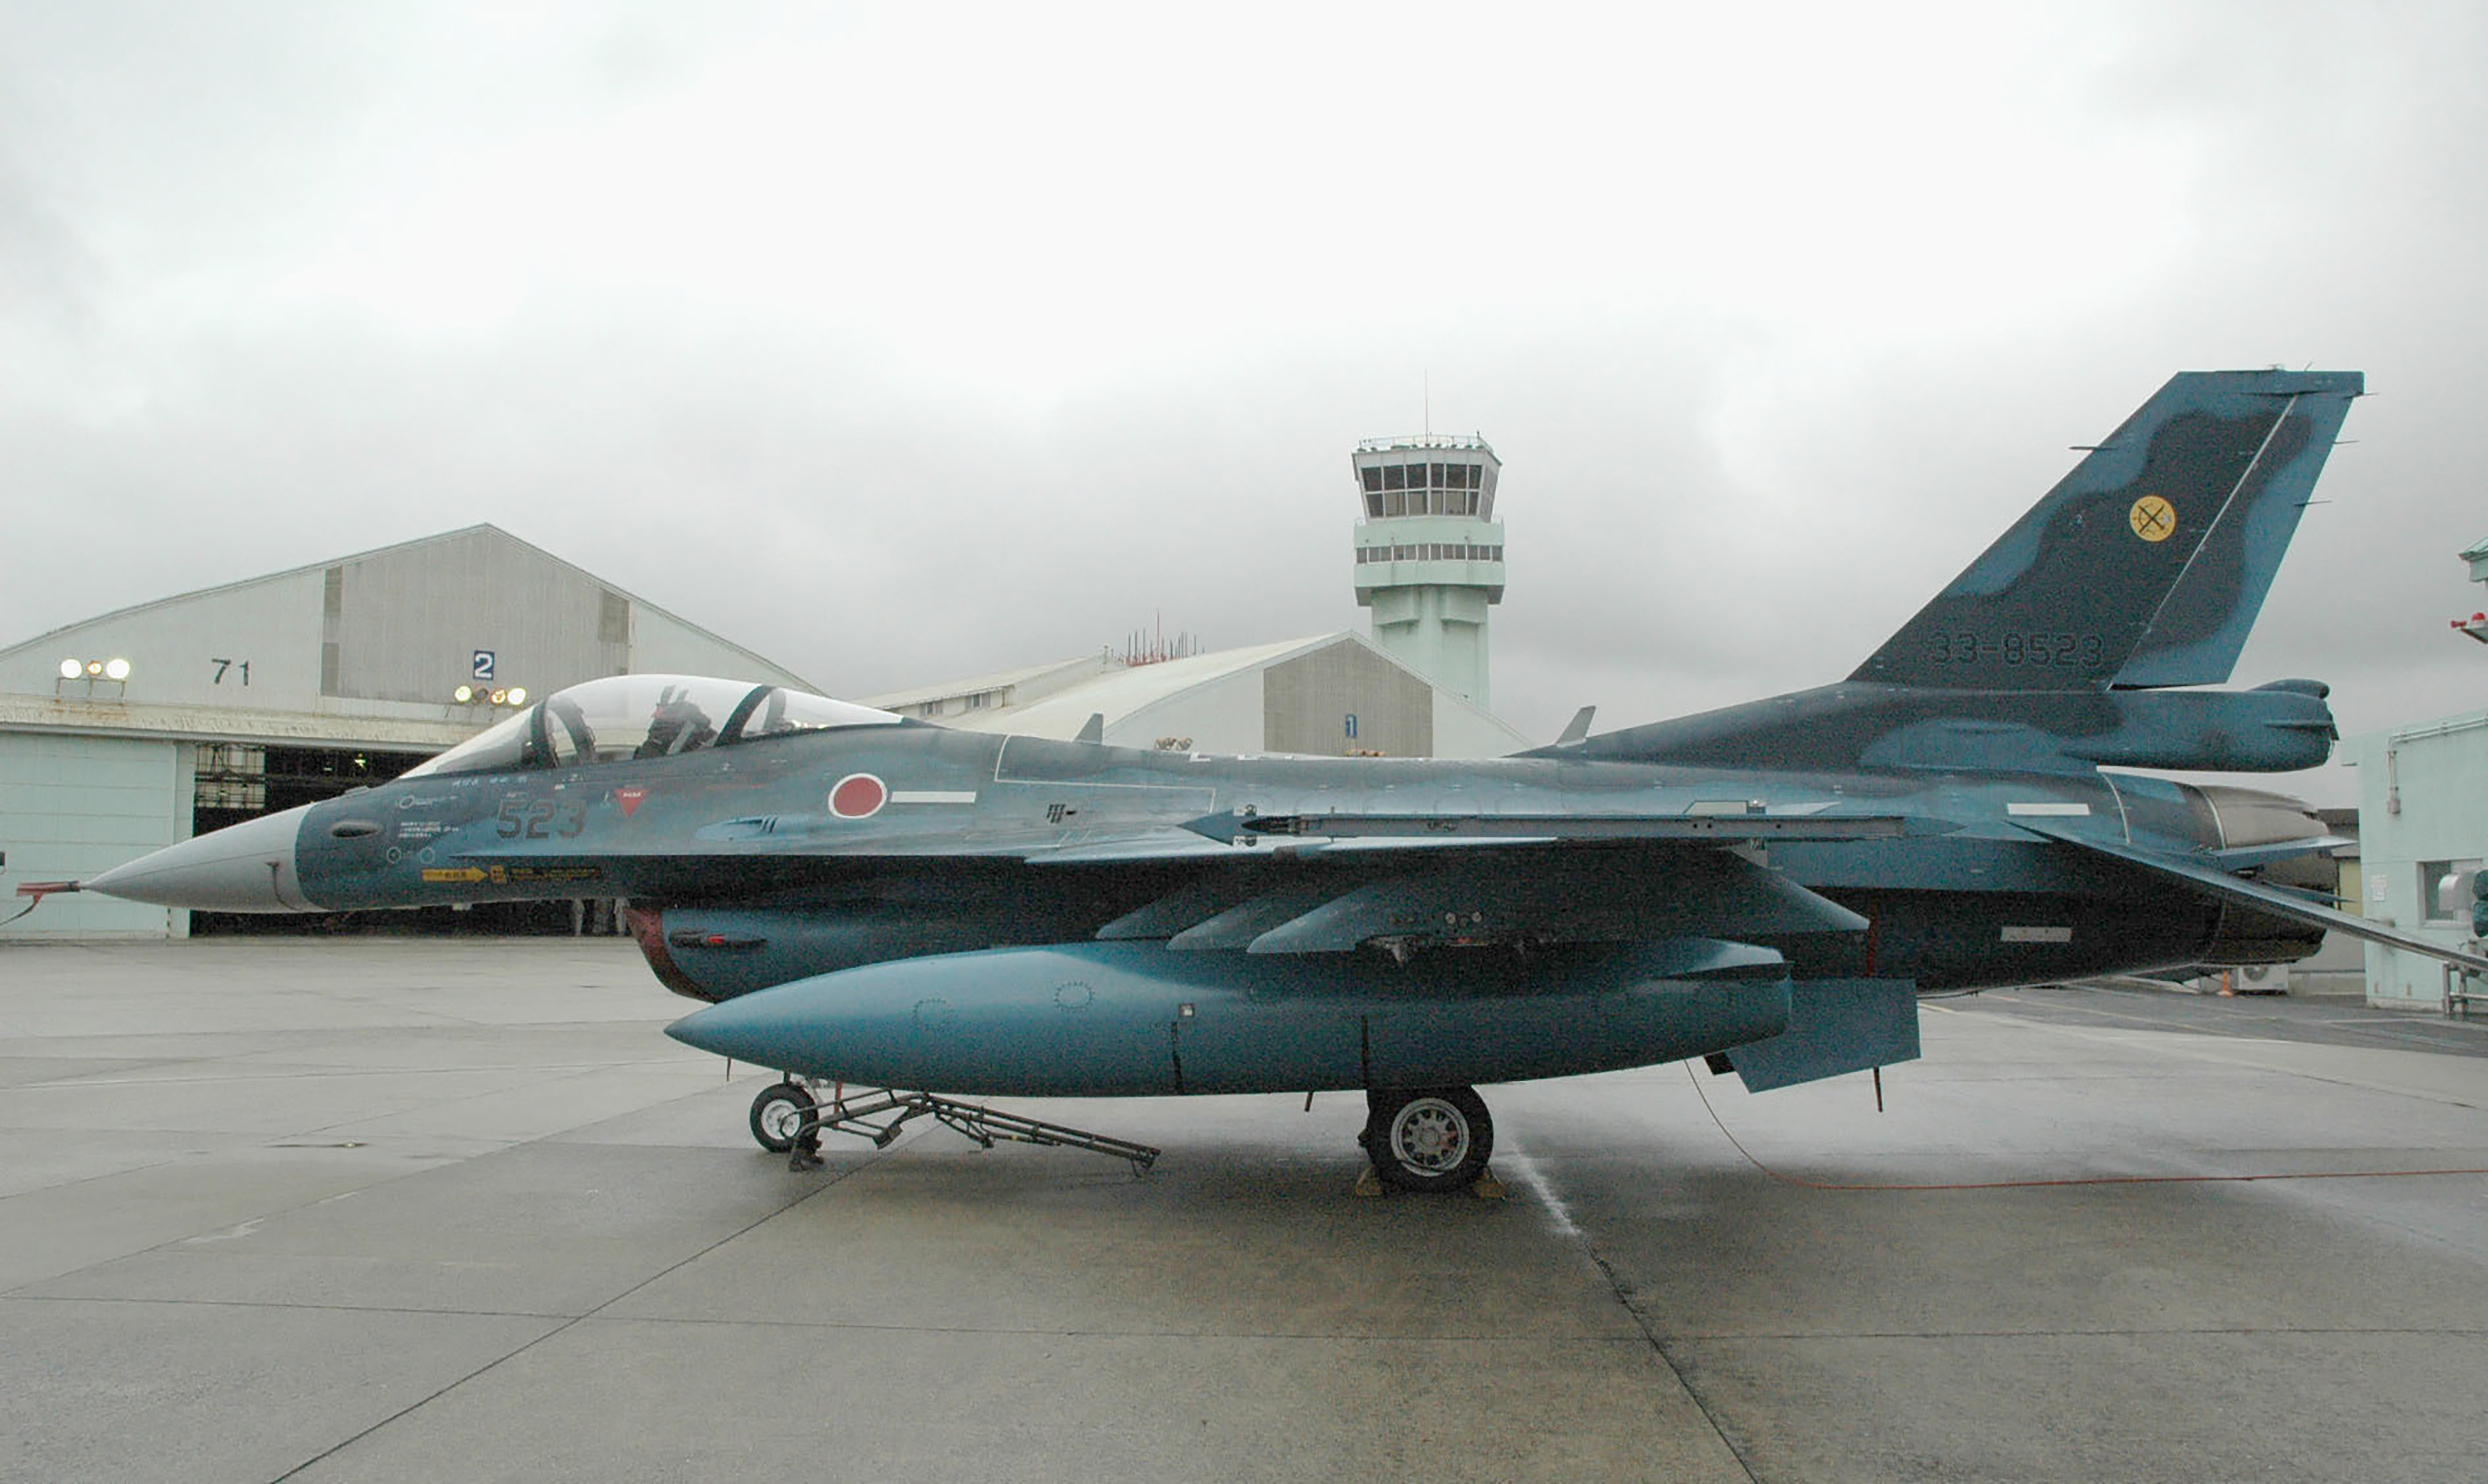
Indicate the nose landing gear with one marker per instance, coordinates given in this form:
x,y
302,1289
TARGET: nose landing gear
x,y
1427,1138
788,1118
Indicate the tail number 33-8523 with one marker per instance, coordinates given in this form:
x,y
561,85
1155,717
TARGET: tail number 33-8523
x,y
537,818
2083,650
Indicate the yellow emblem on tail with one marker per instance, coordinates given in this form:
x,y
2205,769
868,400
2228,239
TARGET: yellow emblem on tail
x,y
2153,518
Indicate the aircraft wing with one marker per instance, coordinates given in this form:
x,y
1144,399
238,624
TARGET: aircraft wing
x,y
2210,881
1317,882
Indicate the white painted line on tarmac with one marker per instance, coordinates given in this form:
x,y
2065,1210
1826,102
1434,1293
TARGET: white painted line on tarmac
x,y
1523,1171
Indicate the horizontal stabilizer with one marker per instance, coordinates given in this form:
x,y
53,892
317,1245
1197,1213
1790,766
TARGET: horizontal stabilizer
x,y
2245,857
2209,880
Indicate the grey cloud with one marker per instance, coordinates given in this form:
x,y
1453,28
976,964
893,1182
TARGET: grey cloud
x,y
1708,497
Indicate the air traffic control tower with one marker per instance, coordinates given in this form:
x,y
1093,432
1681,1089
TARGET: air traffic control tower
x,y
1429,555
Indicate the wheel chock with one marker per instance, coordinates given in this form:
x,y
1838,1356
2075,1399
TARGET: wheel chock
x,y
1485,1188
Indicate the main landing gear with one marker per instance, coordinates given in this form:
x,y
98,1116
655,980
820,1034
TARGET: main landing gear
x,y
1427,1138
787,1118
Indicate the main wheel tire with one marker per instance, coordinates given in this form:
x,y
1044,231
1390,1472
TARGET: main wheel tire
x,y
777,1113
1431,1139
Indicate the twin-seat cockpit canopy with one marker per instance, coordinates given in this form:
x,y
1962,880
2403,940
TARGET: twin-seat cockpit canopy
x,y
644,716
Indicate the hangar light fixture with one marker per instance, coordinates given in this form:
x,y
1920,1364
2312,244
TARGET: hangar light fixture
x,y
470,696
113,669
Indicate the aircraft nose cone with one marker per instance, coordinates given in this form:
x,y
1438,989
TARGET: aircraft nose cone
x,y
243,868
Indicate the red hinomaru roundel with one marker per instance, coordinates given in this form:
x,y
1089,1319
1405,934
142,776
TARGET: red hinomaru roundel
x,y
857,796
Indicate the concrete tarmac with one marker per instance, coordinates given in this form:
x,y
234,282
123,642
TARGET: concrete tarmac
x,y
381,1210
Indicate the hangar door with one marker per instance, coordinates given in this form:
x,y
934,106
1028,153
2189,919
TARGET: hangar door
x,y
72,806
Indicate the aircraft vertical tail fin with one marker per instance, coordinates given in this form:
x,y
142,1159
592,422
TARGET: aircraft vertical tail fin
x,y
2147,564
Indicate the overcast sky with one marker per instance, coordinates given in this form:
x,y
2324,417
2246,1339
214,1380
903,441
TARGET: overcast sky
x,y
905,342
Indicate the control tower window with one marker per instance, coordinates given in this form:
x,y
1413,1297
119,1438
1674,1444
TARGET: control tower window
x,y
1372,502
1372,473
1393,476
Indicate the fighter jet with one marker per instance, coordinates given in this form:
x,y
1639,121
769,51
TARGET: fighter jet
x,y
878,901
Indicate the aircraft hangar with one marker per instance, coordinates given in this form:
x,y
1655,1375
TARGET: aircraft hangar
x,y
140,727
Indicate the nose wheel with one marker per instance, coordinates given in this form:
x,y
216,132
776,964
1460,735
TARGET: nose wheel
x,y
1427,1138
779,1116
